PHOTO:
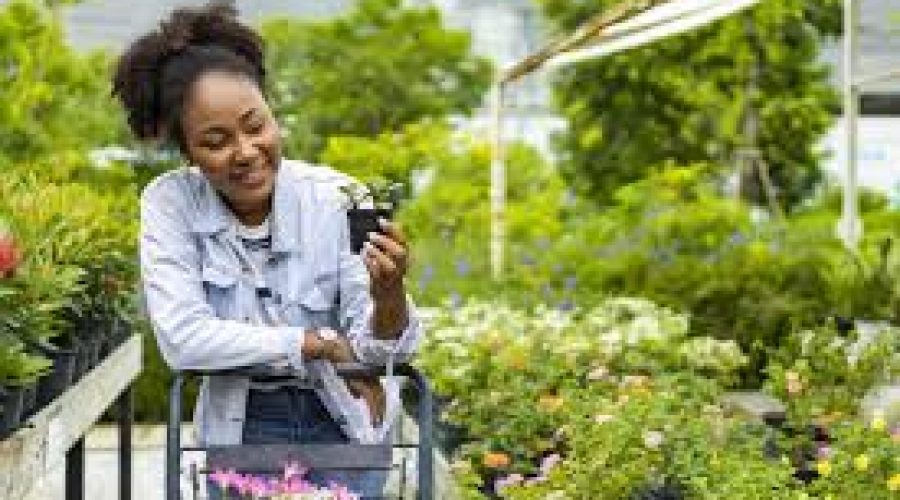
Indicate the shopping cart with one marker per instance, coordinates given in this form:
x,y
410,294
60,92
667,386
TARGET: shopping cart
x,y
271,458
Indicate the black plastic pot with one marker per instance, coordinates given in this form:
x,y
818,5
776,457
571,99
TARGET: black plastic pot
x,y
363,221
667,490
29,400
95,346
57,381
82,359
11,399
803,457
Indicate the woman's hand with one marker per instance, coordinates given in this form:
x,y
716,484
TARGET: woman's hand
x,y
338,350
372,392
387,259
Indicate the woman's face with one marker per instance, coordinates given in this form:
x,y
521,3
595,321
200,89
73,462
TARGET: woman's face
x,y
230,134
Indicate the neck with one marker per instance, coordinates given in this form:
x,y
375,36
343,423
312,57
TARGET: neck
x,y
251,215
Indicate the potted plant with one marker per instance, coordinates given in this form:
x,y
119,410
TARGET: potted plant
x,y
366,203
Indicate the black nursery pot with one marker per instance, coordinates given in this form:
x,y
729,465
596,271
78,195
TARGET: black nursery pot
x,y
667,490
363,221
11,399
29,400
57,381
82,358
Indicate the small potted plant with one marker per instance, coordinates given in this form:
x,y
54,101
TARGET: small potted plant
x,y
366,204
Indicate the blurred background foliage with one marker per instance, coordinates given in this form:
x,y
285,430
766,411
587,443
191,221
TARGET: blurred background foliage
x,y
636,202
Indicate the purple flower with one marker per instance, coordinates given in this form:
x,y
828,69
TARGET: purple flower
x,y
455,300
549,462
462,267
506,482
737,238
566,306
571,282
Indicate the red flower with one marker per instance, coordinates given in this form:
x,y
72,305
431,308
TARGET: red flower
x,y
9,257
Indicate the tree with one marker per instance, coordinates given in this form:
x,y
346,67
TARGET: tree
x,y
696,96
54,103
372,71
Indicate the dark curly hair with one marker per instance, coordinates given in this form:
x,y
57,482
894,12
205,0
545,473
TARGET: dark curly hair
x,y
153,75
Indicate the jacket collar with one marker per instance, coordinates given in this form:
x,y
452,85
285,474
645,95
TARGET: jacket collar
x,y
213,216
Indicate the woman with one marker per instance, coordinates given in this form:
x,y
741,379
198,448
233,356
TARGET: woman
x,y
245,256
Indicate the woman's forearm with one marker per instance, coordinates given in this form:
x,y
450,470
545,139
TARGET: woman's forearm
x,y
390,317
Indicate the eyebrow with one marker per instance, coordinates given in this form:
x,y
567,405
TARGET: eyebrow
x,y
219,129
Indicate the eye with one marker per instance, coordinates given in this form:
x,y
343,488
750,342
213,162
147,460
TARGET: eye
x,y
256,126
214,141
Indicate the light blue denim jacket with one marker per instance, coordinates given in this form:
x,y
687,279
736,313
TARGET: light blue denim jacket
x,y
201,299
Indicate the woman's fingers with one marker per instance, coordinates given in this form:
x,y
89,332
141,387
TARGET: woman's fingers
x,y
392,230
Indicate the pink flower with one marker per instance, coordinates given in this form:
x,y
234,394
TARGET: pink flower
x,y
823,452
294,469
223,479
259,486
341,493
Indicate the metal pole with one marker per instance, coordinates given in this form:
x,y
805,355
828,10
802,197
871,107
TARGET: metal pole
x,y
498,184
425,486
126,417
75,471
173,439
850,226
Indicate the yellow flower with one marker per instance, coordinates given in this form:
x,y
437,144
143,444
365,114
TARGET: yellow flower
x,y
861,462
823,467
878,421
893,483
603,418
549,402
793,382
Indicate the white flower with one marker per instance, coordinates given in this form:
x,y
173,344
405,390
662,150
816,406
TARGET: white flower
x,y
653,439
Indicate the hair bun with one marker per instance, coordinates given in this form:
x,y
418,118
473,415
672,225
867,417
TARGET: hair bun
x,y
209,25
141,67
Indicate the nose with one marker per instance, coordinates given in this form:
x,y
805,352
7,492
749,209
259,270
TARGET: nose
x,y
246,150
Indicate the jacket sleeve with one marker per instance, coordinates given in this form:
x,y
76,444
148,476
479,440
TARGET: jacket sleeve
x,y
189,335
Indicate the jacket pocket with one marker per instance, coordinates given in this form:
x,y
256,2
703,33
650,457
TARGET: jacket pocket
x,y
220,286
317,307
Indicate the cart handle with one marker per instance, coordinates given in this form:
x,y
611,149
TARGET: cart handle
x,y
352,370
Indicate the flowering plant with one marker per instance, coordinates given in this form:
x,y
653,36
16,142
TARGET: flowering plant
x,y
10,256
516,379
290,486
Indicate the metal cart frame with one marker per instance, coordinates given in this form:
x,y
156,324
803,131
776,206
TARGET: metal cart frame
x,y
268,458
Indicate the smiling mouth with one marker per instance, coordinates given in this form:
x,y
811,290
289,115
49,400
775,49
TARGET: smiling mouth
x,y
250,178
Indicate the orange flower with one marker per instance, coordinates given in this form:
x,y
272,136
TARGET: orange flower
x,y
496,460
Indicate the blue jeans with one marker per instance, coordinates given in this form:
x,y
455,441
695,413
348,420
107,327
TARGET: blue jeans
x,y
297,416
